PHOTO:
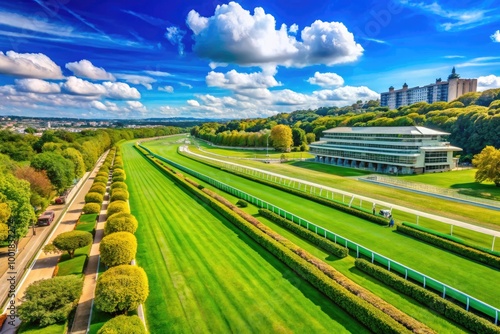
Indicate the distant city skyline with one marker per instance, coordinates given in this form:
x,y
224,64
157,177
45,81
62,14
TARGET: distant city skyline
x,y
129,59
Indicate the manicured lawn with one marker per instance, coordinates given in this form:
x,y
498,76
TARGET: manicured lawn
x,y
34,329
207,276
336,170
86,222
463,274
464,180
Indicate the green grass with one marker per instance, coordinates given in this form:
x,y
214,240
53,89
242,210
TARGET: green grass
x,y
74,266
463,274
336,170
207,276
86,222
27,328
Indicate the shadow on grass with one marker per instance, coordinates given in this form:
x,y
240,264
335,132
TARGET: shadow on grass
x,y
330,169
478,190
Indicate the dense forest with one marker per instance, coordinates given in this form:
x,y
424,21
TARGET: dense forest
x,y
33,169
473,121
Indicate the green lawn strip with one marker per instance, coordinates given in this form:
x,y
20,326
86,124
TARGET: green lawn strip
x,y
75,265
447,267
99,318
27,328
207,275
467,213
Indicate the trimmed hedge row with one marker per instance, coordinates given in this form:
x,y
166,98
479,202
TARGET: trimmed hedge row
x,y
463,250
338,206
442,306
303,232
375,319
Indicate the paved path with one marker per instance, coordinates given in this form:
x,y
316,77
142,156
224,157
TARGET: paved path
x,y
45,264
364,198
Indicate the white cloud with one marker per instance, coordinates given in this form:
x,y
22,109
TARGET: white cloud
x,y
453,56
121,91
233,35
488,82
86,69
77,86
37,86
168,89
293,28
98,105
135,79
31,65
326,79
175,36
346,95
290,98
136,106
158,73
193,103
496,36
185,85
237,81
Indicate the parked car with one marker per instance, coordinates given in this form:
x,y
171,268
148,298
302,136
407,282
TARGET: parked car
x,y
62,199
46,218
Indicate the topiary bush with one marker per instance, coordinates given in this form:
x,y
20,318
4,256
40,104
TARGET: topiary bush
x,y
102,174
98,188
103,184
93,197
119,195
121,289
241,203
123,324
72,240
118,248
118,178
116,207
120,222
91,208
101,179
119,185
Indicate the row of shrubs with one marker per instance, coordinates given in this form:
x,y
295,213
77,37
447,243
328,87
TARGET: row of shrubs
x,y
122,287
450,310
95,196
338,206
308,235
346,294
435,238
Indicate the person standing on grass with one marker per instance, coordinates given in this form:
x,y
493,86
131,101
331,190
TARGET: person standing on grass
x,y
391,222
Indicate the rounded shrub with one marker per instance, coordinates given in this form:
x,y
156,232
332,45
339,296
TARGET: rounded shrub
x,y
98,188
120,222
91,208
118,178
93,197
119,195
118,248
116,207
123,324
72,240
118,165
119,172
120,185
102,174
241,203
104,168
121,289
101,179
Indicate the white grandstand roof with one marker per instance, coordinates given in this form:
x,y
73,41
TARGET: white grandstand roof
x,y
396,130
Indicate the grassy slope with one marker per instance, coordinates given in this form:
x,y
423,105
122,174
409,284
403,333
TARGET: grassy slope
x,y
326,176
449,268
206,276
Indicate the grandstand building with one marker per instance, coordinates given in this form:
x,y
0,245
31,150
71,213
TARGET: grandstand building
x,y
392,150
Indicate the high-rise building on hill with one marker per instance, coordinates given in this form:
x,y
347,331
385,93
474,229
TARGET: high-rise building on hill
x,y
440,91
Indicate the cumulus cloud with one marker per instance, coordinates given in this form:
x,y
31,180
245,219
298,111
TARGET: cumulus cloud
x,y
175,36
121,91
488,82
37,86
326,80
135,79
237,81
168,89
136,106
193,103
496,36
233,35
77,86
86,69
290,98
293,28
346,95
31,65
98,105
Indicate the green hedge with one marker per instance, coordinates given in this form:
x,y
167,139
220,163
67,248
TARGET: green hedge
x,y
98,188
118,178
121,185
376,320
116,207
93,197
303,232
91,208
101,179
463,250
448,309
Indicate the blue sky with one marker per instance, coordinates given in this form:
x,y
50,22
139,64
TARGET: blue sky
x,y
176,58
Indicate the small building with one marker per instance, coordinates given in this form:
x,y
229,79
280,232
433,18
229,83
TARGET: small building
x,y
392,150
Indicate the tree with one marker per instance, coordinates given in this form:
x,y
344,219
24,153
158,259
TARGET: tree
x,y
60,171
70,241
488,165
50,301
4,231
118,248
281,136
298,136
76,157
121,222
311,137
123,324
121,289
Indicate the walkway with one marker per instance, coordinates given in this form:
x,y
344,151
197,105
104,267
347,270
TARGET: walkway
x,y
44,266
364,198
